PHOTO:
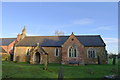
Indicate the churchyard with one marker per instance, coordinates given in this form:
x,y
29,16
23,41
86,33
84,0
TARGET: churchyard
x,y
26,70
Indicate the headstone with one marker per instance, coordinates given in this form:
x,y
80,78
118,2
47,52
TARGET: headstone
x,y
45,62
60,73
114,60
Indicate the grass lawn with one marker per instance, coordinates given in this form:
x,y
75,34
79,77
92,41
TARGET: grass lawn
x,y
25,70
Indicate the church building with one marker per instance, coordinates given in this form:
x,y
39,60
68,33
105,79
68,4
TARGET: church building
x,y
71,49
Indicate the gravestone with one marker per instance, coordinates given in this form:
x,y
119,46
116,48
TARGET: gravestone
x,y
45,62
114,60
60,73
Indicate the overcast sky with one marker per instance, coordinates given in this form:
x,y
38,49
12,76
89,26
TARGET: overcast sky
x,y
41,19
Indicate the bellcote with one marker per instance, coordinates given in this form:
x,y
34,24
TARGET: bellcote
x,y
23,33
24,30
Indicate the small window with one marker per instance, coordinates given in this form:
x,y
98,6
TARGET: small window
x,y
57,51
72,52
72,39
91,53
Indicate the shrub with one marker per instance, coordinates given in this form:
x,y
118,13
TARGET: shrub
x,y
5,57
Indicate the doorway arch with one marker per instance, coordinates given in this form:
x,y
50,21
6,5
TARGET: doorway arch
x,y
37,58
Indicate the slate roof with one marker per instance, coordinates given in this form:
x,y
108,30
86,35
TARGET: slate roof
x,y
58,41
6,41
2,50
91,40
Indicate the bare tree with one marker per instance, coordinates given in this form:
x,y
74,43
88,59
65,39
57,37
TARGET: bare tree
x,y
59,33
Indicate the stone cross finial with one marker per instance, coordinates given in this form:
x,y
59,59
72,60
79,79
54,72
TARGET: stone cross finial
x,y
37,44
72,33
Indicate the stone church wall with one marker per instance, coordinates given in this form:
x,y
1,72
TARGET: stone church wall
x,y
21,52
51,54
72,42
100,51
81,54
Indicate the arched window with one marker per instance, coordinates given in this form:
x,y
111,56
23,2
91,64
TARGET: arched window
x,y
72,52
57,51
91,53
